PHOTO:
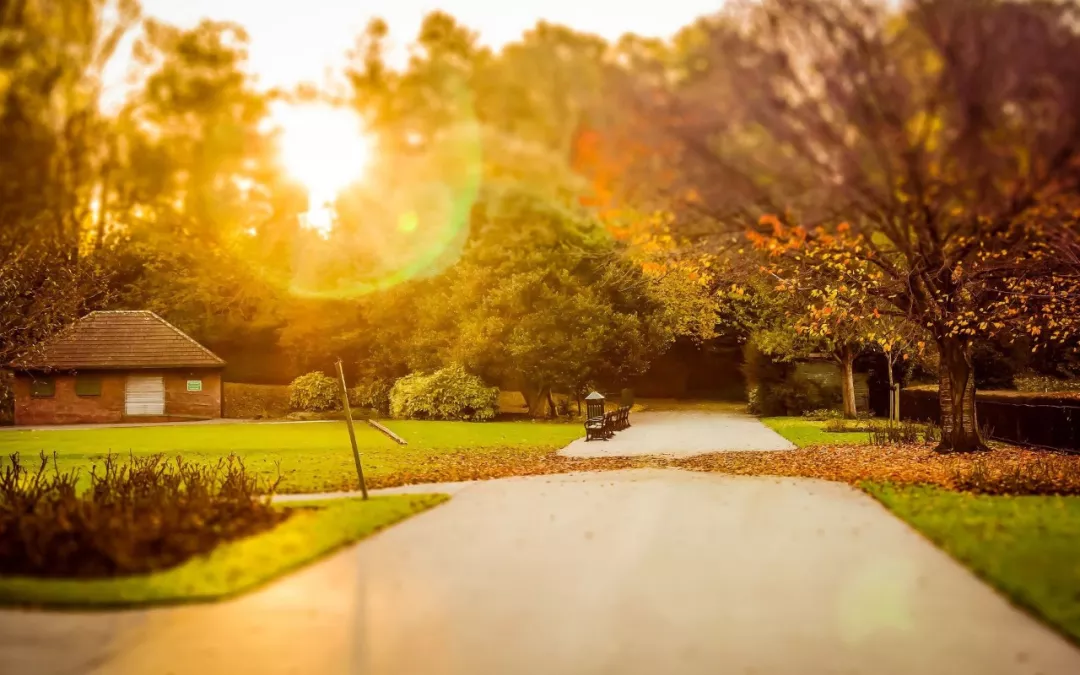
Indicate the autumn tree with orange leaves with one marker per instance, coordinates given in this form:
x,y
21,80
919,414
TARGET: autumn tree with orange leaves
x,y
925,155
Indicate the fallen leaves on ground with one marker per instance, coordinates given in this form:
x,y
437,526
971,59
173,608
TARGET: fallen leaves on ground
x,y
1004,470
449,468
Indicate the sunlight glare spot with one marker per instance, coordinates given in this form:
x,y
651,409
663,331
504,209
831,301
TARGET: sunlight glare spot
x,y
408,222
325,148
320,219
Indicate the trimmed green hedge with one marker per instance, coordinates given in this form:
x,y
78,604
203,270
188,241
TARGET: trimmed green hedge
x,y
256,401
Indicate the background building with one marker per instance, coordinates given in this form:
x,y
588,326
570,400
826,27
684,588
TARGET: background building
x,y
120,366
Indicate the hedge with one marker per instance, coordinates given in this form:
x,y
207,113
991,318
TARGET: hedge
x,y
256,401
1044,419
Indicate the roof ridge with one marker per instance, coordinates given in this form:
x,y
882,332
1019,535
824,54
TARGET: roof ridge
x,y
179,332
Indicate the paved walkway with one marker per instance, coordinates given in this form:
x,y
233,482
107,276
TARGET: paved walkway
x,y
683,434
632,572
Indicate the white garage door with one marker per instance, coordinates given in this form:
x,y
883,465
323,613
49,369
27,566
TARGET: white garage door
x,y
144,395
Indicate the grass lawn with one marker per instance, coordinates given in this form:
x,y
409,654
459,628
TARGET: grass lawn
x,y
314,456
804,433
1028,547
234,567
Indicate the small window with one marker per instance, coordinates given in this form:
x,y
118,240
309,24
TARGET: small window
x,y
42,387
87,385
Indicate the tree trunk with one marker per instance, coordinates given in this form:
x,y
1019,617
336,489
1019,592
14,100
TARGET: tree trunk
x,y
537,398
847,384
956,395
894,407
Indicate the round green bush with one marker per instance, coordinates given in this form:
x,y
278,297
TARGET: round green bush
x,y
314,392
447,394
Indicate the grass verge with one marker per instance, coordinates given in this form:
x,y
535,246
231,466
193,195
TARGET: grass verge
x,y
1026,546
805,433
315,456
234,567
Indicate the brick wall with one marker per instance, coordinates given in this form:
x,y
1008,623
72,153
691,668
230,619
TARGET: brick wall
x,y
183,403
66,407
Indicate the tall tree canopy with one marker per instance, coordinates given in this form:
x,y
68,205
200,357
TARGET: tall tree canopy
x,y
890,151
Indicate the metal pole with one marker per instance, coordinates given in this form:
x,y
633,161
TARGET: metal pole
x,y
352,433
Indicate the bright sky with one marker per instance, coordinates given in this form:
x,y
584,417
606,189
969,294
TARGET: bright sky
x,y
293,41
297,40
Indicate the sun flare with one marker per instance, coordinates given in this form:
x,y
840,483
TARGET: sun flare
x,y
325,148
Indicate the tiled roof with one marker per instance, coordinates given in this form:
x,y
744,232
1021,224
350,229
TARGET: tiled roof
x,y
120,339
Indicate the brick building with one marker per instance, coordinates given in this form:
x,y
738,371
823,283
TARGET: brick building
x,y
124,366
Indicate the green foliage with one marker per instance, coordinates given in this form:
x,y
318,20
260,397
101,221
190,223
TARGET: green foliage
x,y
373,394
314,392
256,401
146,515
447,394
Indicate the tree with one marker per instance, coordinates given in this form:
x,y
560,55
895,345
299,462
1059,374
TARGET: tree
x,y
200,219
52,138
903,157
51,58
542,299
41,293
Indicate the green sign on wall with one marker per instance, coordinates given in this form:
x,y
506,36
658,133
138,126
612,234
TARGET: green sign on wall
x,y
194,385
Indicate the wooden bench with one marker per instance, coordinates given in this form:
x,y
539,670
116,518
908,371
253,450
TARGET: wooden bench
x,y
601,424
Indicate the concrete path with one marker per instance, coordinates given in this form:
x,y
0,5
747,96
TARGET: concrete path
x,y
637,572
683,434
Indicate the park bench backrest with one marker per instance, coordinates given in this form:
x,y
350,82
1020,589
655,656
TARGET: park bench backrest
x,y
594,409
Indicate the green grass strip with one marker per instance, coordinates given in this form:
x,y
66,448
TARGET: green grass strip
x,y
234,567
1028,547
805,433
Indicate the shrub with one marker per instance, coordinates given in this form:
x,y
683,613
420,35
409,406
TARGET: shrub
x,y
256,401
836,425
906,432
314,392
823,414
447,394
372,394
143,516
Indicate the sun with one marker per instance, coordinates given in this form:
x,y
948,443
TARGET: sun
x,y
325,148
